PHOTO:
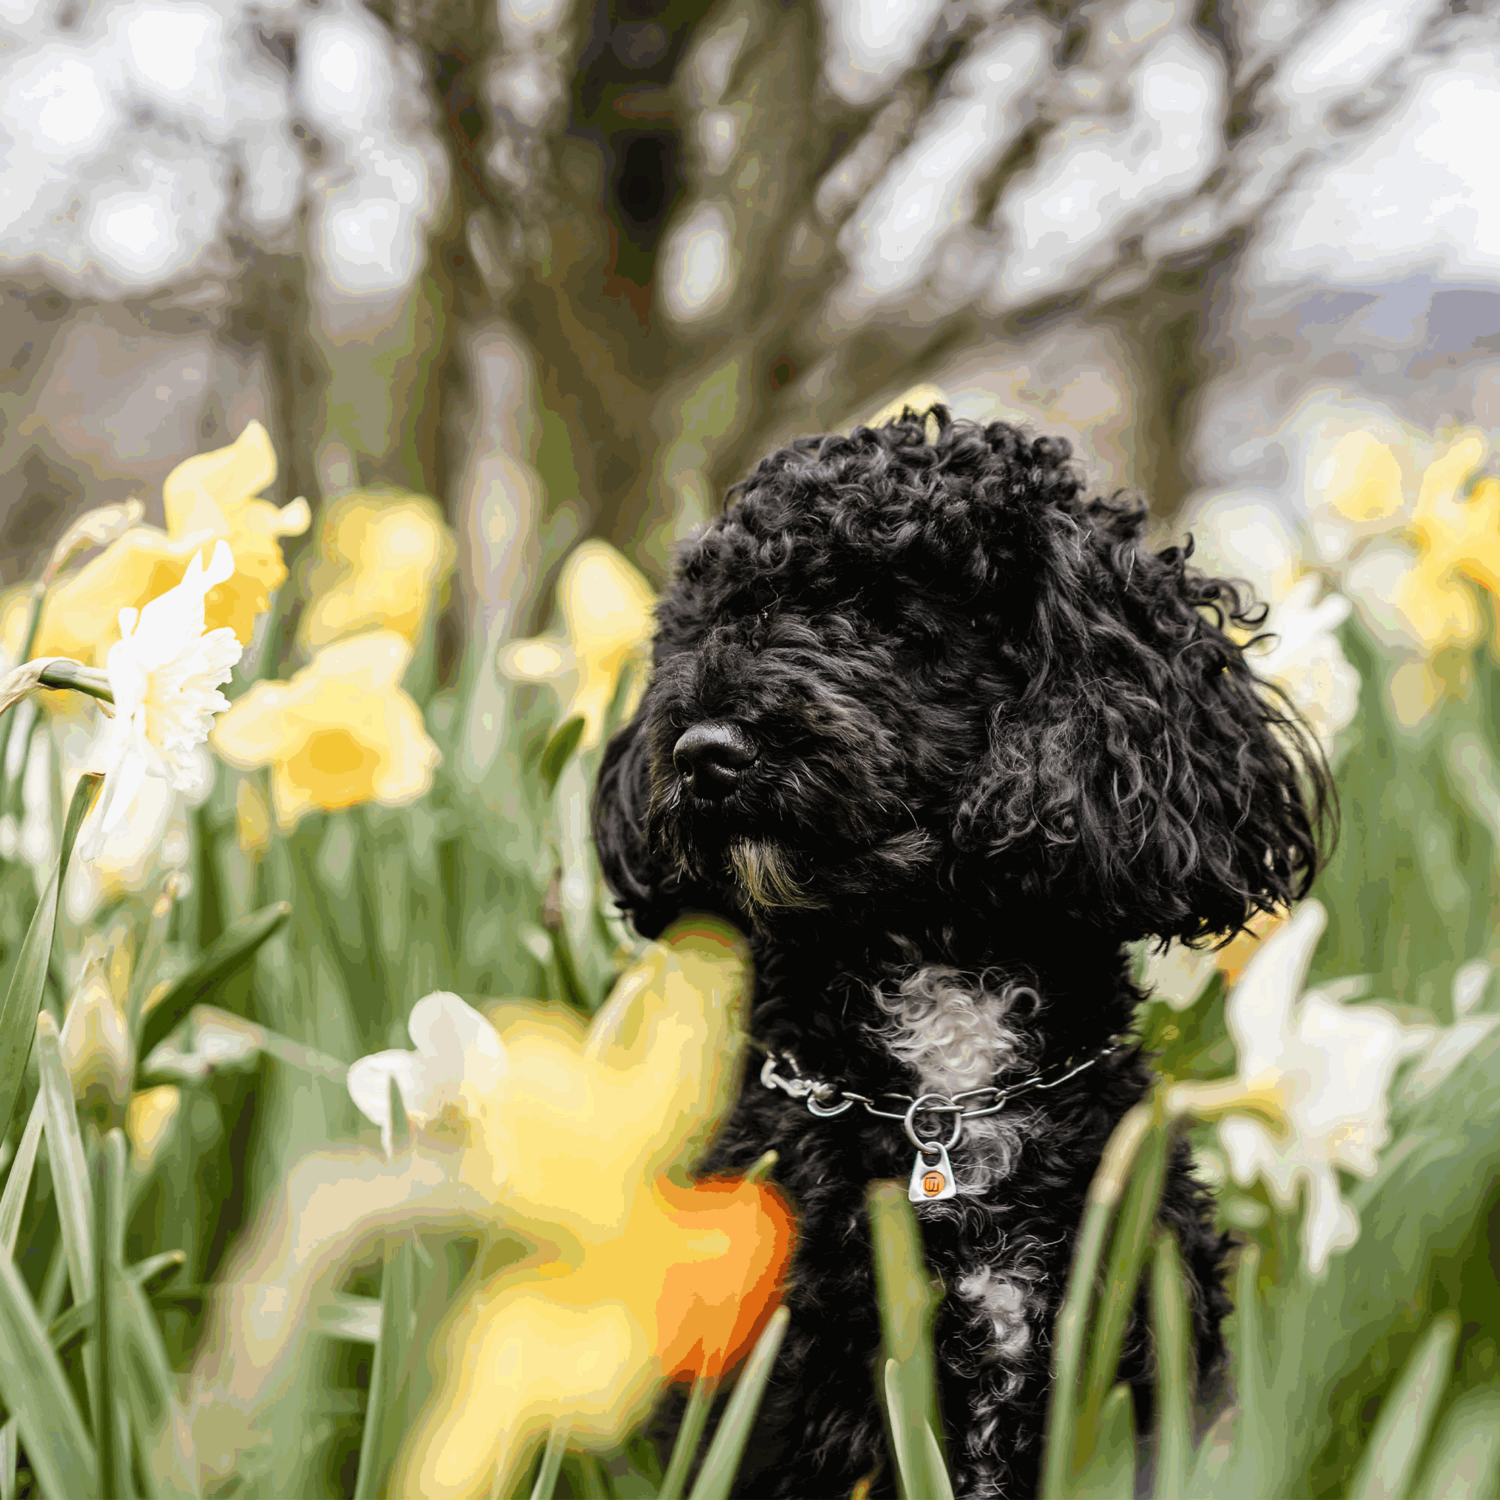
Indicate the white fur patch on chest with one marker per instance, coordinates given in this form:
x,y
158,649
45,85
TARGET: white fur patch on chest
x,y
952,1027
1011,1302
957,1031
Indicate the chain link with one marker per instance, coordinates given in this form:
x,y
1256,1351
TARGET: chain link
x,y
824,1099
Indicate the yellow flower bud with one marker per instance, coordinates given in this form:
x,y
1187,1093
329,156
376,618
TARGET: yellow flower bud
x,y
96,1040
148,1121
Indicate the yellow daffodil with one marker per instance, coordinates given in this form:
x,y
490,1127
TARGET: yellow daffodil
x,y
149,1118
1361,479
919,398
1458,539
208,498
341,732
1424,597
1179,975
606,608
214,495
80,616
95,1037
384,557
577,1138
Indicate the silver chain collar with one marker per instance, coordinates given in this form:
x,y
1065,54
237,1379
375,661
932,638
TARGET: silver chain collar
x,y
932,1177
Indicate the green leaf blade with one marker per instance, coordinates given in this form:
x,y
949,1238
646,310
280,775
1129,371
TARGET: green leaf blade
x,y
1174,1384
109,1236
37,1392
689,1433
23,999
724,1453
13,1201
234,948
559,752
1132,1238
1464,1462
70,1176
1389,1462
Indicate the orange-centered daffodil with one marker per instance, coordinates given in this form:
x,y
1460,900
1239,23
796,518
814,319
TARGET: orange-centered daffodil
x,y
579,1140
582,1139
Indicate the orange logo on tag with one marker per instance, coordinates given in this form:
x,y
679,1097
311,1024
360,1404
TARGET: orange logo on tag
x,y
932,1184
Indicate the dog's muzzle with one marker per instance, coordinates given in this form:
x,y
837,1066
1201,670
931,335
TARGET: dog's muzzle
x,y
710,757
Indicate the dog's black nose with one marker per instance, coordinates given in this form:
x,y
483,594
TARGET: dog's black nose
x,y
711,757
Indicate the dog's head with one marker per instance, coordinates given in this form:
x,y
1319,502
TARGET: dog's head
x,y
897,666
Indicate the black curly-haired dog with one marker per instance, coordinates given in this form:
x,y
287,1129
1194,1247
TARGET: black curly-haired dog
x,y
943,735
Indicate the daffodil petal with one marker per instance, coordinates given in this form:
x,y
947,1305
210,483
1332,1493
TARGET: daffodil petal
x,y
461,1040
333,1205
80,614
290,800
1444,476
171,617
919,398
605,599
1329,1221
575,1134
514,1362
1258,1007
254,729
412,757
293,519
375,661
203,490
536,660
369,1080
121,784
1362,478
385,557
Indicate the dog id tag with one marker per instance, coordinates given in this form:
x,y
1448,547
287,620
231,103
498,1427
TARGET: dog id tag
x,y
931,1179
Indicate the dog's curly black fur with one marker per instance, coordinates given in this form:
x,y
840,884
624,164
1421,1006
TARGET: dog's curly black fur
x,y
996,738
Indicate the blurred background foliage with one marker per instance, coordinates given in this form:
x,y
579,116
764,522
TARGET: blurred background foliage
x,y
498,280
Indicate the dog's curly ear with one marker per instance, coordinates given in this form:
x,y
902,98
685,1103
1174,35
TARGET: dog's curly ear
x,y
1145,779
646,889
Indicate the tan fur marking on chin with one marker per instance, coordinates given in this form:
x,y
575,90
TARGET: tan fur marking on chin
x,y
763,875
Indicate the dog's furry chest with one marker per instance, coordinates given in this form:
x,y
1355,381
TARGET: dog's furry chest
x,y
1000,1249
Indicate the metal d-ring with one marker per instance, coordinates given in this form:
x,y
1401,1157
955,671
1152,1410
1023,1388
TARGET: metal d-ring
x,y
823,1111
946,1108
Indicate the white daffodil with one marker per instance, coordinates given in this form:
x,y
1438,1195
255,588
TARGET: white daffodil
x,y
458,1061
1310,1096
1307,662
1245,535
164,673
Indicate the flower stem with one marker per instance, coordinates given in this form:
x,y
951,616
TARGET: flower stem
x,y
688,1436
28,645
78,679
552,1457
